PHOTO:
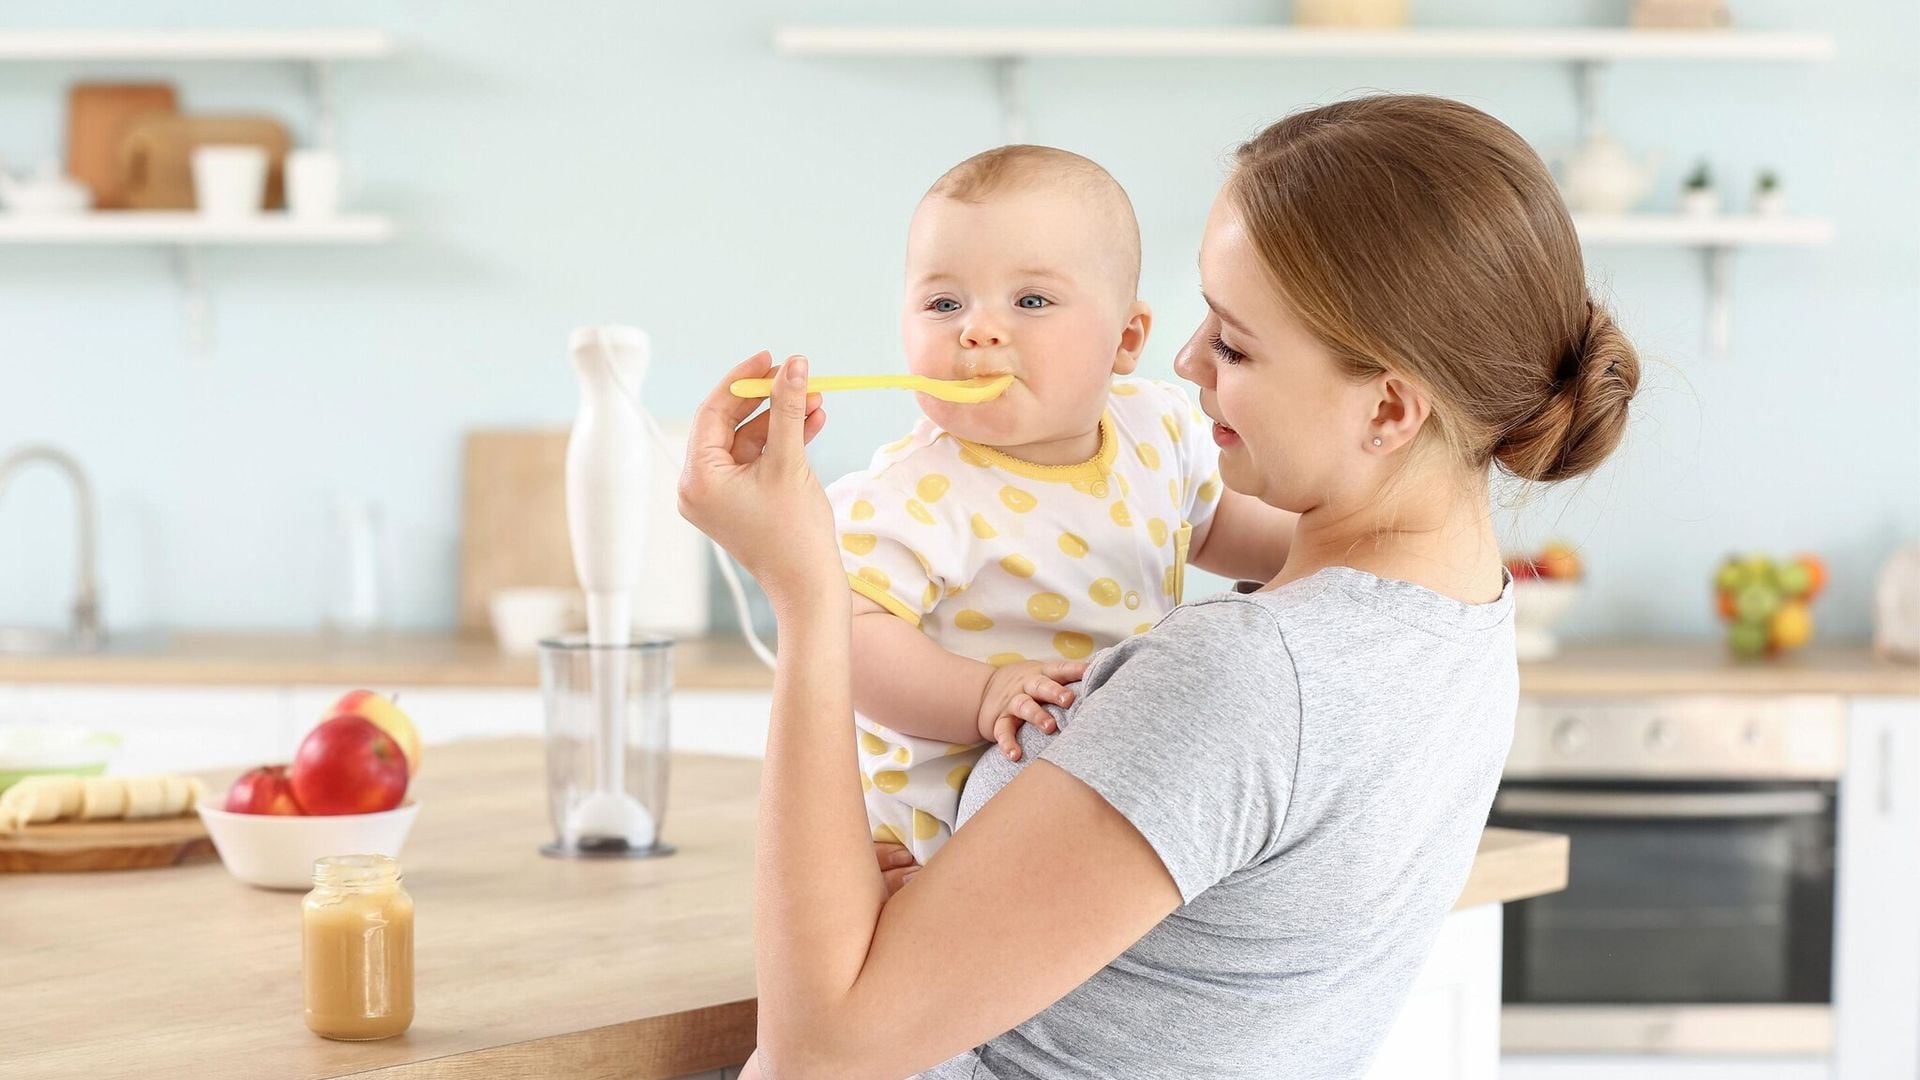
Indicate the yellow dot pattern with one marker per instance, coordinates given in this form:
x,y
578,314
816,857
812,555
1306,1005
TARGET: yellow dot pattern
x,y
898,444
931,596
884,834
983,529
861,510
1125,389
1002,659
1073,546
872,744
1210,490
925,825
1105,592
903,756
1047,607
1126,489
932,486
859,543
890,781
1157,532
957,778
1132,600
1018,565
1096,488
1148,456
1072,644
1018,501
919,512
969,619
865,784
968,456
1143,628
876,577
1121,515
958,748
1173,491
1172,426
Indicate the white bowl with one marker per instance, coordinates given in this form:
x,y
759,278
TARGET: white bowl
x,y
1538,606
277,851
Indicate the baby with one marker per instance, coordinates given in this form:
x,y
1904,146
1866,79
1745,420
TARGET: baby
x,y
1001,543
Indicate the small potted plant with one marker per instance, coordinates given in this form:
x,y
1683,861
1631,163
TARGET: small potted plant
x,y
1698,196
1768,199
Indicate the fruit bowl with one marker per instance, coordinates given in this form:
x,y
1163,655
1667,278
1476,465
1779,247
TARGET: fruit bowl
x,y
277,851
1538,606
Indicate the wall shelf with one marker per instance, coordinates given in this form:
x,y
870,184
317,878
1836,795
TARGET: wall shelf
x,y
185,233
1579,45
186,227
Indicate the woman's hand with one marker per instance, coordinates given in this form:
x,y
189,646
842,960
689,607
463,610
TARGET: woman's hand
x,y
749,487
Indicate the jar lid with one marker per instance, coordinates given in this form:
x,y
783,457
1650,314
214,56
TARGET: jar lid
x,y
355,871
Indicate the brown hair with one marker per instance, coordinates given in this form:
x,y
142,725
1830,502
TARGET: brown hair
x,y
1420,235
1022,166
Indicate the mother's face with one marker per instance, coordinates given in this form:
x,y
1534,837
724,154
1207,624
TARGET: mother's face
x,y
1293,430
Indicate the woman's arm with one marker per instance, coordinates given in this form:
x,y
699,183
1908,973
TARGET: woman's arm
x,y
1247,539
851,985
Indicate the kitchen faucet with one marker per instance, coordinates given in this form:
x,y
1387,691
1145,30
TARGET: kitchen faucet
x,y
86,600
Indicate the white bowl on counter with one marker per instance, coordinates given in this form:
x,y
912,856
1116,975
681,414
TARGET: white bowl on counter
x,y
1538,606
277,851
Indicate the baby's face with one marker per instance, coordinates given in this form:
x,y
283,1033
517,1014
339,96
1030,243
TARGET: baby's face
x,y
1026,284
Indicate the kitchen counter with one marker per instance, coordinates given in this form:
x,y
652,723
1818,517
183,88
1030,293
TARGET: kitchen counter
x,y
526,966
724,663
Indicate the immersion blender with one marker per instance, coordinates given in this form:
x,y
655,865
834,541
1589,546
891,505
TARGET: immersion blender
x,y
609,467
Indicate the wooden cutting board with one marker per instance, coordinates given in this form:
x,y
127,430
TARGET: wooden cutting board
x,y
67,846
156,156
98,116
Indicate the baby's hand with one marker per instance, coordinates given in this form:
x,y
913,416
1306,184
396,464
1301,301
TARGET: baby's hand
x,y
1019,694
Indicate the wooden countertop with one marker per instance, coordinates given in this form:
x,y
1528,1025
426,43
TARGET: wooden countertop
x,y
525,966
724,663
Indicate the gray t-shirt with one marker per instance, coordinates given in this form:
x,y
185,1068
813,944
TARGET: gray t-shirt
x,y
1313,765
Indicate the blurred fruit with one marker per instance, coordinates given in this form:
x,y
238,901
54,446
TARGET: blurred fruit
x,y
1522,569
1730,576
347,765
1756,601
1816,574
1748,638
1794,578
1559,561
382,713
1727,612
1758,570
1791,626
264,790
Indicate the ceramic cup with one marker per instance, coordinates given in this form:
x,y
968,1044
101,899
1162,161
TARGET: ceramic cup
x,y
229,181
313,183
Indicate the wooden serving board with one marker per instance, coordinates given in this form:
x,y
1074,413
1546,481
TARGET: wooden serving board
x,y
68,846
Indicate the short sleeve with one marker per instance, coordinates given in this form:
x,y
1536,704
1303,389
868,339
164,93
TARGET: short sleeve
x,y
895,543
1192,743
1198,457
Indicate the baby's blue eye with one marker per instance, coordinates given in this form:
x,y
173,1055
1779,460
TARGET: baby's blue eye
x,y
945,305
1033,303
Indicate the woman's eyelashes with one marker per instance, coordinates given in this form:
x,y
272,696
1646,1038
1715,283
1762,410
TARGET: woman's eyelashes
x,y
1227,353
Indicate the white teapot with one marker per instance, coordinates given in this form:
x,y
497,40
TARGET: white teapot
x,y
1602,177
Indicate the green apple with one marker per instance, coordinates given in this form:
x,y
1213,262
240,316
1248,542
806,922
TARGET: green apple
x,y
1755,602
1730,576
1748,637
1794,578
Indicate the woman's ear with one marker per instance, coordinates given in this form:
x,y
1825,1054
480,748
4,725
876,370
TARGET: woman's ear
x,y
1399,411
1133,338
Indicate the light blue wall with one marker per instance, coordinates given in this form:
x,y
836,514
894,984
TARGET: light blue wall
x,y
567,162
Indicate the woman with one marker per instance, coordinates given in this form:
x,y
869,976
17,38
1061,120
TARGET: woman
x,y
1234,855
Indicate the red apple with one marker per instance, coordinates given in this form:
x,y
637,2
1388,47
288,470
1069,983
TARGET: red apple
x,y
347,765
264,790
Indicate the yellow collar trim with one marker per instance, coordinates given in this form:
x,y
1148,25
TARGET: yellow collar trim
x,y
1097,467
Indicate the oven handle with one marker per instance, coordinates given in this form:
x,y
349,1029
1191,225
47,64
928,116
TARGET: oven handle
x,y
1633,804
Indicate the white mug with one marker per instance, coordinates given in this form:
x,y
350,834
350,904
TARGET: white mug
x,y
229,181
313,183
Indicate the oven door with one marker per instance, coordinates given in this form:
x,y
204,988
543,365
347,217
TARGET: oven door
x,y
1679,894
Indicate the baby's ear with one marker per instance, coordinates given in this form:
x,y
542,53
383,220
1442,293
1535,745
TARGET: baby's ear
x,y
1133,338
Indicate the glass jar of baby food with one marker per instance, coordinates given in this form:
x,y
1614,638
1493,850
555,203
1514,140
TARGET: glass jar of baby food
x,y
357,948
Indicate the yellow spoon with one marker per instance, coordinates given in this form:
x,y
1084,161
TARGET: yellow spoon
x,y
962,391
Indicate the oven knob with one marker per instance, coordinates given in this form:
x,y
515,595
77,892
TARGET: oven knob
x,y
1660,735
1570,736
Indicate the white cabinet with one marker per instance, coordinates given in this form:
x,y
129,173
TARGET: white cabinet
x,y
1877,906
1449,1028
172,728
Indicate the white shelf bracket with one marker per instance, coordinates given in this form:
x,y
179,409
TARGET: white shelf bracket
x,y
319,86
1588,79
1718,262
189,269
1010,85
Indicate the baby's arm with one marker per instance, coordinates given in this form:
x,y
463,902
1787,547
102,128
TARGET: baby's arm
x,y
1247,539
905,681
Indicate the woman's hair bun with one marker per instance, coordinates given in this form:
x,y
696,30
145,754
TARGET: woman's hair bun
x,y
1584,413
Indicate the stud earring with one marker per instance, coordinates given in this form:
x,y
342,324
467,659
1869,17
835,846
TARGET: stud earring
x,y
1376,440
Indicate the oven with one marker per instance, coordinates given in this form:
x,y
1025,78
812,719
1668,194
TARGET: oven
x,y
1698,913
